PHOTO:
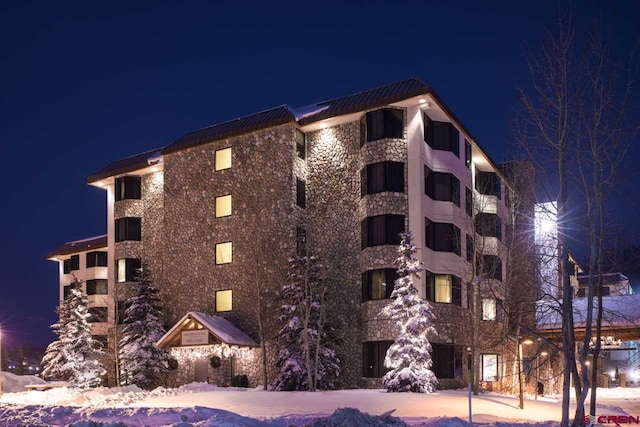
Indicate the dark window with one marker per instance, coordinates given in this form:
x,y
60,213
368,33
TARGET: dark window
x,y
128,187
467,153
378,284
301,241
442,237
301,193
469,295
582,292
71,264
373,353
96,259
470,248
121,308
98,314
441,186
379,124
66,291
488,183
447,361
468,201
382,230
301,144
571,268
489,225
444,288
441,136
128,229
383,176
102,339
127,269
490,266
97,287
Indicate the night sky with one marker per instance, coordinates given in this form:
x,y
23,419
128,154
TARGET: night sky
x,y
86,83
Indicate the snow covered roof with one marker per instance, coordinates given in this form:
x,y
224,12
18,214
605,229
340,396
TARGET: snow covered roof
x,y
129,164
219,327
76,246
618,311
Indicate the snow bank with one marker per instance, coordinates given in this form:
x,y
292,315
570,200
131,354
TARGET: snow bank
x,y
12,383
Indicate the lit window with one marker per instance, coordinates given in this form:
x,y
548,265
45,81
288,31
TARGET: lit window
x,y
490,367
127,269
378,284
489,309
223,159
97,287
223,206
224,300
224,253
444,288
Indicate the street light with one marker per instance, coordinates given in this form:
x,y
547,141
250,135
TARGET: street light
x,y
520,343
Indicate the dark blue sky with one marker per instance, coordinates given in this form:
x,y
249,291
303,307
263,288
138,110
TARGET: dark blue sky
x,y
85,83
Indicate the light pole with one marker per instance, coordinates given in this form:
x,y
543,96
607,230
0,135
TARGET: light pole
x,y
470,380
521,391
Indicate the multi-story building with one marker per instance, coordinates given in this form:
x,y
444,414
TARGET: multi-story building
x,y
216,214
86,261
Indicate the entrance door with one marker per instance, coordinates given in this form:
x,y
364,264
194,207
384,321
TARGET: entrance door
x,y
201,370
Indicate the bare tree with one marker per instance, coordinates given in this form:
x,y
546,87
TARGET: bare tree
x,y
575,110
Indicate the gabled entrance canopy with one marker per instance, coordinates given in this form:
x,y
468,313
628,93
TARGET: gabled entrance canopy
x,y
197,328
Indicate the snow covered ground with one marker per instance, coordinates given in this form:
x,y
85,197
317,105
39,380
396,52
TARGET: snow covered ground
x,y
206,405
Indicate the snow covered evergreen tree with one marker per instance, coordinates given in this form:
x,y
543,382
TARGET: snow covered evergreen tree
x,y
305,359
54,357
81,366
140,360
409,357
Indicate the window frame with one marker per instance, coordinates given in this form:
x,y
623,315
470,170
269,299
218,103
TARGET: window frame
x,y
102,317
488,183
301,144
467,153
383,123
219,261
128,229
436,243
379,351
388,224
432,131
454,296
128,187
218,297
387,176
131,267
218,164
436,182
390,276
301,193
218,201
96,259
93,285
497,363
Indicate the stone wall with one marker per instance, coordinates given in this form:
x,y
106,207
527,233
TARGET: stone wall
x,y
261,227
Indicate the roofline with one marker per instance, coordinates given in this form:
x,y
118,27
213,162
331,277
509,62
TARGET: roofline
x,y
424,89
61,251
122,170
289,118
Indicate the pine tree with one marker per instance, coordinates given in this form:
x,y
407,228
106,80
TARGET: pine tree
x,y
141,361
305,360
54,357
409,356
82,367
